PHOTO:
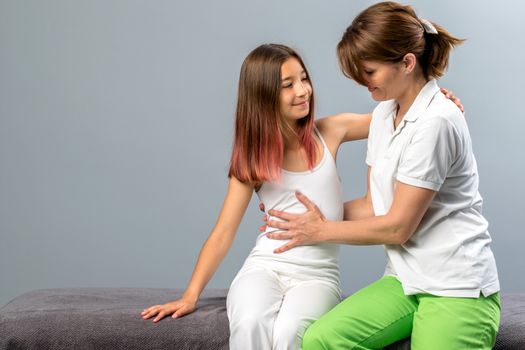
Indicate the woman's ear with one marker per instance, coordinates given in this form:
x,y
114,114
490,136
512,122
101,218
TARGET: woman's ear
x,y
409,62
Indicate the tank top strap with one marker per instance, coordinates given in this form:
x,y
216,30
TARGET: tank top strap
x,y
326,149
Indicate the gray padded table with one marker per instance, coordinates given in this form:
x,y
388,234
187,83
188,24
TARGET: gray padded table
x,y
109,318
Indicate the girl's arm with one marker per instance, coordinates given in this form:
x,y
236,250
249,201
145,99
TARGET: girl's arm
x,y
343,127
212,253
360,208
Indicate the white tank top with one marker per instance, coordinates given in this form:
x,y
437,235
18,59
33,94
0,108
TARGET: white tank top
x,y
322,185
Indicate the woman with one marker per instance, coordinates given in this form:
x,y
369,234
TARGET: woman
x,y
441,284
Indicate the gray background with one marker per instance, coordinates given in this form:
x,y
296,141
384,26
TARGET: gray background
x,y
116,122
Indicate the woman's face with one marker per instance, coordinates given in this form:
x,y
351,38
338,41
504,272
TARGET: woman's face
x,y
294,99
383,79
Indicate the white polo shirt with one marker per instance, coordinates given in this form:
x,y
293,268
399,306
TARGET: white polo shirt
x,y
449,254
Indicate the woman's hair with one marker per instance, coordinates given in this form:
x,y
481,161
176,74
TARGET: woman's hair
x,y
258,146
386,32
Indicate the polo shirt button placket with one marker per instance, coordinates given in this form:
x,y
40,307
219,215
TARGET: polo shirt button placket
x,y
393,137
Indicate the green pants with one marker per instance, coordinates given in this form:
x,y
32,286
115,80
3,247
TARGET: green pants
x,y
382,314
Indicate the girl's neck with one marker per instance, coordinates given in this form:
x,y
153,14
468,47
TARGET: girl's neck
x,y
290,136
291,142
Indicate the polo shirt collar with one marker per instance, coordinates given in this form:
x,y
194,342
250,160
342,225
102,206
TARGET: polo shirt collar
x,y
422,101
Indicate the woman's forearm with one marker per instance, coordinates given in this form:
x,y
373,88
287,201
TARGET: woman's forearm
x,y
408,207
367,231
395,227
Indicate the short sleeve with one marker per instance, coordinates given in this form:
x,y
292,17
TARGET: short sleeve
x,y
429,155
377,115
369,149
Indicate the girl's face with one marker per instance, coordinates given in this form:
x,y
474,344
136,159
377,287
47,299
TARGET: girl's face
x,y
384,80
294,99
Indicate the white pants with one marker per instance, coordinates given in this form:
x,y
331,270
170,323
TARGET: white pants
x,y
268,310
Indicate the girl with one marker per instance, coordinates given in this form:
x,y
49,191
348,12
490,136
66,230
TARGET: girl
x,y
278,149
441,284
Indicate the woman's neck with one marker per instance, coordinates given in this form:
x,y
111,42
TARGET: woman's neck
x,y
405,101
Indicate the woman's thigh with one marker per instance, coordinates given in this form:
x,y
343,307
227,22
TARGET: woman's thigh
x,y
456,323
377,315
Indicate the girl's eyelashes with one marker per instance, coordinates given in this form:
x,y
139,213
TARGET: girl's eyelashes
x,y
290,84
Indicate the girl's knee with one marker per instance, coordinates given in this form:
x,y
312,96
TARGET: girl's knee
x,y
287,334
247,322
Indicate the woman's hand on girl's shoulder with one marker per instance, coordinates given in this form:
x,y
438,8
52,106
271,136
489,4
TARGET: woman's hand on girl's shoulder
x,y
177,308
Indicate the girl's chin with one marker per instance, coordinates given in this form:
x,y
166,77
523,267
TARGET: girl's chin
x,y
299,115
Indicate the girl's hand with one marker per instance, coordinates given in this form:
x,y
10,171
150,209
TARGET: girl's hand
x,y
301,229
177,308
450,95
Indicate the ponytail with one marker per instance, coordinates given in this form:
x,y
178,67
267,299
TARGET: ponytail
x,y
434,60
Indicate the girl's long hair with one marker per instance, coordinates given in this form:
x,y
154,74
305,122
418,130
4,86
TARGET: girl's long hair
x,y
258,146
386,32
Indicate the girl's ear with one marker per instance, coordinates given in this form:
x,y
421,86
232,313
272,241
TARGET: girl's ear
x,y
409,62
